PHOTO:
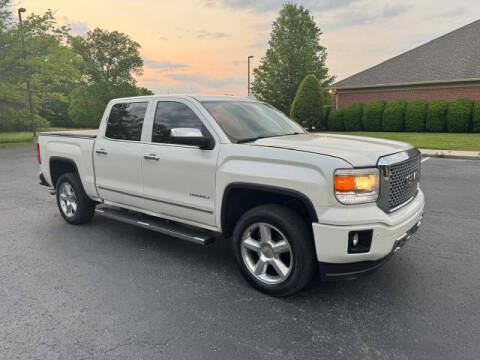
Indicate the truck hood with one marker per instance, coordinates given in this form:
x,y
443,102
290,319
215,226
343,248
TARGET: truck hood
x,y
357,150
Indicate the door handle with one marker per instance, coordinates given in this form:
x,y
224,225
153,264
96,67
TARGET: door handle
x,y
151,157
101,151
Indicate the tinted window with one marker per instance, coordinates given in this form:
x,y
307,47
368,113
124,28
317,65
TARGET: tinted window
x,y
126,120
246,120
170,115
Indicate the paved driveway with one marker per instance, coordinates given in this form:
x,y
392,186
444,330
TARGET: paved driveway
x,y
107,290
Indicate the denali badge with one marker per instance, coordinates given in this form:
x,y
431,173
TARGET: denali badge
x,y
410,179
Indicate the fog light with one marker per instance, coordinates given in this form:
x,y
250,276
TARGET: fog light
x,y
359,241
355,239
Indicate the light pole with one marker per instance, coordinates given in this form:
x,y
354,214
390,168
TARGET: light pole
x,y
248,62
29,90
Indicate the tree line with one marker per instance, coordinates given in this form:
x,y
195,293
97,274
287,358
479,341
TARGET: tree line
x,y
72,77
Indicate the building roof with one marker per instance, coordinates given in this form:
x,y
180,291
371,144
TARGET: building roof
x,y
453,57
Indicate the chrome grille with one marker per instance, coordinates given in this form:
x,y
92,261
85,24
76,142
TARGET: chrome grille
x,y
399,180
404,179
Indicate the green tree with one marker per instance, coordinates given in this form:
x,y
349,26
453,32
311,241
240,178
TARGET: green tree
x,y
294,52
110,60
88,101
307,107
50,66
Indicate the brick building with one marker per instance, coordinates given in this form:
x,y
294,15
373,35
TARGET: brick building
x,y
445,68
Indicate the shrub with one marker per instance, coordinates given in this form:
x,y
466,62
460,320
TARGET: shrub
x,y
393,116
335,120
307,107
459,114
326,114
352,117
476,117
372,115
436,116
415,116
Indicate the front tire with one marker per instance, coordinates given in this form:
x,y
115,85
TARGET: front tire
x,y
74,204
274,250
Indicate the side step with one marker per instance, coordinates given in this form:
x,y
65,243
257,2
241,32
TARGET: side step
x,y
170,228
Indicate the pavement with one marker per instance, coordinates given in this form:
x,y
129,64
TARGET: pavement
x,y
451,154
108,290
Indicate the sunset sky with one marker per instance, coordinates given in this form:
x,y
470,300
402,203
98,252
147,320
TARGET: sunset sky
x,y
201,46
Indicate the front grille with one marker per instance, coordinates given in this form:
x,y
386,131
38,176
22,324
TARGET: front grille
x,y
399,180
404,179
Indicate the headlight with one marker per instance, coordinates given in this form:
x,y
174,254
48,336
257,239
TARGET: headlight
x,y
356,186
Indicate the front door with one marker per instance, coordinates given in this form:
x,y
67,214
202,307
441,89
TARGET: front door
x,y
118,155
179,180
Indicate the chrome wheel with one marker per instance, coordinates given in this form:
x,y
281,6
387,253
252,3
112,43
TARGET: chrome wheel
x,y
267,253
68,200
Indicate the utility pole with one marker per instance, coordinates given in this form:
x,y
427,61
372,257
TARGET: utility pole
x,y
29,89
248,61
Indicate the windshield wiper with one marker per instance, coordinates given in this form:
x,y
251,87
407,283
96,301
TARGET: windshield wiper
x,y
251,139
264,137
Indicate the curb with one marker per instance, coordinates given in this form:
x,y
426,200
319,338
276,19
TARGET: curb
x,y
451,154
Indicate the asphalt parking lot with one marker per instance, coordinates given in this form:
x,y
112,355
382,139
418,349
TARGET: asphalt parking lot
x,y
107,290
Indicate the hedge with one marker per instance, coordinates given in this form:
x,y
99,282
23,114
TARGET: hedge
x,y
335,120
372,115
352,117
458,115
307,106
436,119
476,117
393,115
415,116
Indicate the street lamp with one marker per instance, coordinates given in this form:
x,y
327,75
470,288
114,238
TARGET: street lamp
x,y
29,90
248,61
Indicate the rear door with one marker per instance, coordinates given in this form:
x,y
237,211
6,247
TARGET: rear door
x,y
118,154
179,180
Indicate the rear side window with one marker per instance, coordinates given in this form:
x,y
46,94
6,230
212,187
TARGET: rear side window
x,y
170,115
125,121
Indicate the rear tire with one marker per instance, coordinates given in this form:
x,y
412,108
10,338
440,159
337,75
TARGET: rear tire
x,y
274,250
74,204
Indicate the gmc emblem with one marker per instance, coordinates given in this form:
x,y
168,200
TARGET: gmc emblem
x,y
410,179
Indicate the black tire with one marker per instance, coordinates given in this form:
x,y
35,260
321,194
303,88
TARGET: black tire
x,y
299,236
85,207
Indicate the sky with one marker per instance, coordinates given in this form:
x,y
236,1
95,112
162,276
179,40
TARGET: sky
x,y
201,46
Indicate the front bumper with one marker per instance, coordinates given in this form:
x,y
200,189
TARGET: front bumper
x,y
390,232
329,271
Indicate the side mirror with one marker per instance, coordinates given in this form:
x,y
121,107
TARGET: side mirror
x,y
191,136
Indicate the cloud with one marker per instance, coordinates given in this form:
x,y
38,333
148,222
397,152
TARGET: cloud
x,y
77,27
204,80
164,65
204,34
275,5
458,11
361,15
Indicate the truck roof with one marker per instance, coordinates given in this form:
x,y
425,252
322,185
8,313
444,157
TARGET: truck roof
x,y
196,97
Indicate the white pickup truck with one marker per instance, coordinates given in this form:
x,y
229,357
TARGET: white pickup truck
x,y
194,168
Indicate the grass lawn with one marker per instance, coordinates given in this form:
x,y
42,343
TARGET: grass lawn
x,y
22,137
439,141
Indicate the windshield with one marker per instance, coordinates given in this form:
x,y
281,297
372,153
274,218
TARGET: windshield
x,y
244,121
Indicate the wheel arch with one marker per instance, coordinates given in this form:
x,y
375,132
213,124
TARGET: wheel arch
x,y
239,197
61,165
